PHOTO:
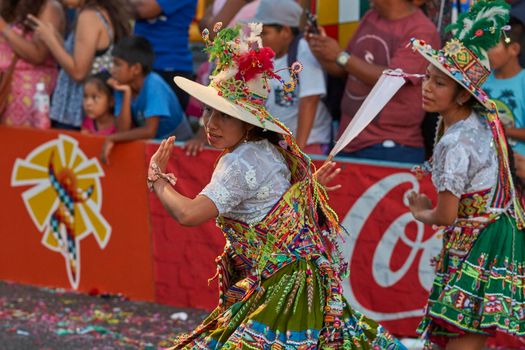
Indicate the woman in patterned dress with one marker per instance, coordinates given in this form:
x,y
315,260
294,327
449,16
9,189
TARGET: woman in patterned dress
x,y
281,270
479,285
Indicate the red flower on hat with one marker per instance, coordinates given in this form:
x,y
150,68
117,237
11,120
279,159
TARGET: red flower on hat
x,y
255,62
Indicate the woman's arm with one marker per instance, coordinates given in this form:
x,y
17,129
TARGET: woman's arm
x,y
146,9
225,15
444,214
187,211
516,133
326,50
35,51
87,34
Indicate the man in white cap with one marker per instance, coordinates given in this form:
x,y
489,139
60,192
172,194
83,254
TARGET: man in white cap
x,y
302,110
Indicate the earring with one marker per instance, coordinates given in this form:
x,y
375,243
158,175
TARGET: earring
x,y
459,103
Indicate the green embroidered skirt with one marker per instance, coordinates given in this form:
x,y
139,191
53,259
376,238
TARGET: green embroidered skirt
x,y
479,286
287,312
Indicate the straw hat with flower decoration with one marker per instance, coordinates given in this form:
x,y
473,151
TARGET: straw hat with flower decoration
x,y
239,84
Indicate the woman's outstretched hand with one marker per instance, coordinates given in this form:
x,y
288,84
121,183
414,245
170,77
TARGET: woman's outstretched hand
x,y
326,174
159,162
418,202
162,156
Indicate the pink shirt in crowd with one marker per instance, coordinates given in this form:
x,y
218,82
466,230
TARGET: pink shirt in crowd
x,y
384,42
246,12
90,126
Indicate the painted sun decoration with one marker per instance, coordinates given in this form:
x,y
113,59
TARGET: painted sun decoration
x,y
65,198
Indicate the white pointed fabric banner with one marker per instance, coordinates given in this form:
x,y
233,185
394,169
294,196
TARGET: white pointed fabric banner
x,y
382,92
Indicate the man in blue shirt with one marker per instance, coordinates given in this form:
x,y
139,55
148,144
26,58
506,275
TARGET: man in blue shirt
x,y
165,23
145,105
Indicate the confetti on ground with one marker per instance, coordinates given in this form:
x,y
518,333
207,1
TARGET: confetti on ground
x,y
49,319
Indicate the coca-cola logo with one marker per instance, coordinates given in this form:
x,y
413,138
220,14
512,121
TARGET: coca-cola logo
x,y
389,252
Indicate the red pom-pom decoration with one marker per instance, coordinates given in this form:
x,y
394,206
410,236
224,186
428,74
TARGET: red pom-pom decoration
x,y
254,62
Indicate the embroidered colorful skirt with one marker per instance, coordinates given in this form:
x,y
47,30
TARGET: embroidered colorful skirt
x,y
287,311
479,285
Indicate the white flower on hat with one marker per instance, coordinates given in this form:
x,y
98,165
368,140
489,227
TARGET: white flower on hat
x,y
225,74
255,34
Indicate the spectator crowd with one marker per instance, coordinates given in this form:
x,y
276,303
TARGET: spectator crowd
x,y
108,68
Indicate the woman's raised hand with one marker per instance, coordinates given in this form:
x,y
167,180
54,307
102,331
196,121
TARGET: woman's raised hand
x,y
162,156
326,174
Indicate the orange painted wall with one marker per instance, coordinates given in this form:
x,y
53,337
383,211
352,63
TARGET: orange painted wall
x,y
123,266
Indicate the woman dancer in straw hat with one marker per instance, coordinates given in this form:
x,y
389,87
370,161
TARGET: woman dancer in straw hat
x,y
281,271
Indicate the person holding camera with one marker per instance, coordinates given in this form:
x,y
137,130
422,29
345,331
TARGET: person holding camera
x,y
302,109
379,43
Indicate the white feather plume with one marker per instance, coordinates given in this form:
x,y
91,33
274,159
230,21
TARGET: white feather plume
x,y
490,13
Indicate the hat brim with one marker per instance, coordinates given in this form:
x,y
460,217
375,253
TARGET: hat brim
x,y
430,55
210,96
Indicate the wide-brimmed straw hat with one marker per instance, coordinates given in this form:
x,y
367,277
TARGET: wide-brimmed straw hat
x,y
240,83
464,57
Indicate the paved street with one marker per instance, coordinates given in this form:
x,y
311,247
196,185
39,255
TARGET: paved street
x,y
39,318
33,318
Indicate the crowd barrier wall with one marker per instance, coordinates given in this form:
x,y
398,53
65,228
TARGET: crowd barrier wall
x,y
110,228
126,242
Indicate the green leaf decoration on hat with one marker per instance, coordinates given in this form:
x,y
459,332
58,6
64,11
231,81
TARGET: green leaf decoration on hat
x,y
480,28
219,50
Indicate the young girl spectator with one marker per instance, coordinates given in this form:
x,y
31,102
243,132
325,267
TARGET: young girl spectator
x,y
33,62
479,286
87,50
98,106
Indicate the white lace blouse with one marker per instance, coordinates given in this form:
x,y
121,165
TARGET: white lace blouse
x,y
248,182
465,159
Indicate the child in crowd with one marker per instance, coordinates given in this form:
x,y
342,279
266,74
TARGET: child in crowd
x,y
302,110
145,105
506,84
98,106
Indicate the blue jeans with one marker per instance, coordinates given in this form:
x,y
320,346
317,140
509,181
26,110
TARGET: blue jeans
x,y
392,152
